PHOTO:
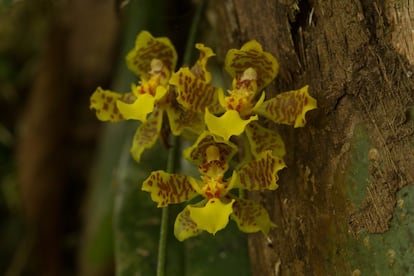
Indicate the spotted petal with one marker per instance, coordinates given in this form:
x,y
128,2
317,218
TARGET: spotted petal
x,y
251,217
104,102
228,124
261,173
213,217
166,188
184,226
252,55
288,108
148,48
200,67
146,134
194,93
262,139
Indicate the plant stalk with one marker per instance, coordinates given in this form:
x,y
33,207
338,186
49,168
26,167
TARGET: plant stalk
x,y
173,153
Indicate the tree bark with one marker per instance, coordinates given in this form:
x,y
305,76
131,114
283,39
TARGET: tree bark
x,y
343,202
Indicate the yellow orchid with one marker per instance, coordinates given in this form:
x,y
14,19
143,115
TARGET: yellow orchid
x,y
212,155
153,60
253,69
190,102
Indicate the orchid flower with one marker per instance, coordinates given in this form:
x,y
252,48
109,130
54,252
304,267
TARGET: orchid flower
x,y
212,155
153,61
253,69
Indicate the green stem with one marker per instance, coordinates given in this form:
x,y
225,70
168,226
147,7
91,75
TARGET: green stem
x,y
173,153
162,246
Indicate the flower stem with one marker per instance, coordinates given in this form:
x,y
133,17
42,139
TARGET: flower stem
x,y
173,153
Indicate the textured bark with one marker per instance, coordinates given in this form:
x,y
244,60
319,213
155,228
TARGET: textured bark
x,y
357,57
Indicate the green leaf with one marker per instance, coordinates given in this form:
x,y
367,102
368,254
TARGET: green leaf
x,y
136,217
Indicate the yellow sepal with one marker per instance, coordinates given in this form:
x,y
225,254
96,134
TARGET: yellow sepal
x,y
105,104
288,107
166,188
194,93
146,134
184,226
200,67
148,48
252,55
261,172
262,139
251,217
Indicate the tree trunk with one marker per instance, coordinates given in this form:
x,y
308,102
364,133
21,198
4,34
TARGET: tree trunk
x,y
345,202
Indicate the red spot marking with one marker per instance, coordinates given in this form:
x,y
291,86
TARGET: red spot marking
x,y
105,107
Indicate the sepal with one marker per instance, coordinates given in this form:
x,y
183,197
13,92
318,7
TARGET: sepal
x,y
288,107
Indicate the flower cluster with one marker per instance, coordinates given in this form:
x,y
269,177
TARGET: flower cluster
x,y
192,103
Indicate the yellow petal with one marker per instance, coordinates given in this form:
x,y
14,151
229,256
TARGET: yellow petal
x,y
194,93
261,173
251,217
197,152
148,48
184,226
262,139
166,188
228,124
200,67
104,102
213,217
252,55
288,108
147,134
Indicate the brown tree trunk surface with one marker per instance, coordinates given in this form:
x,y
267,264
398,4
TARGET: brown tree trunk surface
x,y
335,205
